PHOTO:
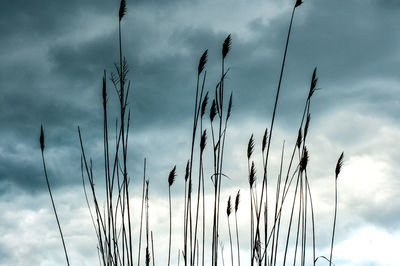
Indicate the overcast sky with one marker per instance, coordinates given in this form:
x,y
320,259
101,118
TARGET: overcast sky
x,y
52,60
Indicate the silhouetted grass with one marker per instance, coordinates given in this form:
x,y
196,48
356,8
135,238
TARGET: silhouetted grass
x,y
113,224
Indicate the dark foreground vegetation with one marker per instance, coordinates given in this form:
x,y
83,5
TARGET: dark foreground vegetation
x,y
212,111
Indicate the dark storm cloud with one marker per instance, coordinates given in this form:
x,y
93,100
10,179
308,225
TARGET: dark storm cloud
x,y
59,84
348,50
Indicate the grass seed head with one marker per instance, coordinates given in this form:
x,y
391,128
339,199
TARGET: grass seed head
x,y
237,201
304,160
339,165
313,84
204,105
250,147
122,9
252,176
41,140
202,62
299,139
187,170
264,140
307,125
298,3
229,108
229,207
213,111
226,47
147,256
203,141
171,176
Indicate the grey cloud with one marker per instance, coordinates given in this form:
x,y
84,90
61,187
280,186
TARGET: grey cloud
x,y
55,80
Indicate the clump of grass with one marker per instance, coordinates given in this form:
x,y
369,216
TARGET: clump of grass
x,y
113,225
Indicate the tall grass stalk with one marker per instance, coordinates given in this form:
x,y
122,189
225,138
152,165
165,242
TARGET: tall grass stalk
x,y
113,223
338,168
228,213
264,186
237,201
141,212
42,145
171,179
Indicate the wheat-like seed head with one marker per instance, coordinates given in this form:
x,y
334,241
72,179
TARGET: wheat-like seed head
x,y
313,84
252,176
171,176
229,207
204,105
250,147
299,139
187,171
264,140
122,9
203,141
339,165
237,201
298,3
226,47
202,62
229,108
213,111
304,160
41,139
307,125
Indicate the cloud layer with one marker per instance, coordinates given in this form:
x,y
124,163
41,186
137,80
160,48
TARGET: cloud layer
x,y
52,61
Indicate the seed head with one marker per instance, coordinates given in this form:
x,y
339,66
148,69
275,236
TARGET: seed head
x,y
237,200
203,141
41,138
202,61
226,46
122,9
187,171
339,165
299,139
298,3
229,207
172,175
313,84
304,160
252,176
307,125
264,141
204,104
213,111
229,108
250,147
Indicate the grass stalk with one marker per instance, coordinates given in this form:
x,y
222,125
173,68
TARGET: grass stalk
x,y
337,172
42,145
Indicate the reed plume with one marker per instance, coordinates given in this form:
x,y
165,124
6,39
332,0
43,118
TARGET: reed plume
x,y
338,168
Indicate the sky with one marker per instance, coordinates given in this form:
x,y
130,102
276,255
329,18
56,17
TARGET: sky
x,y
52,60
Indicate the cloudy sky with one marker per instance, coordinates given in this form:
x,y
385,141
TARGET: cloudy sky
x,y
52,60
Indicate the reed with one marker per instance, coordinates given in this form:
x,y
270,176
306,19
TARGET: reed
x,y
113,224
338,168
171,179
237,201
42,145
